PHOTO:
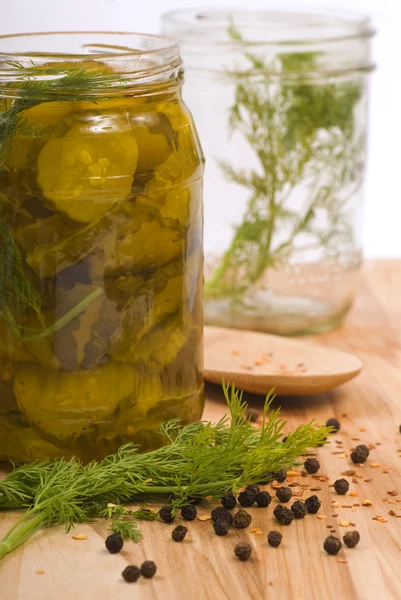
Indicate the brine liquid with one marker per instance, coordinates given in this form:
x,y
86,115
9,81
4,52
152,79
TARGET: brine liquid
x,y
101,223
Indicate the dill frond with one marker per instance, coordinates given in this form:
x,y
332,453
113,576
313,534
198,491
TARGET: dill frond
x,y
201,459
303,133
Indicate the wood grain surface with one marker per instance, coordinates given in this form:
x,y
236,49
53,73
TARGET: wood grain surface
x,y
203,566
257,362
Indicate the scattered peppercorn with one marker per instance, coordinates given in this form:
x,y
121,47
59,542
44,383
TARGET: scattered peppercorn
x,y
351,539
334,423
148,569
221,527
229,501
221,514
332,545
189,512
269,476
322,443
285,438
400,428
252,415
263,499
166,514
243,550
179,533
194,501
360,454
284,515
280,475
114,543
253,488
312,465
274,538
341,486
131,574
247,497
242,519
299,509
284,494
313,504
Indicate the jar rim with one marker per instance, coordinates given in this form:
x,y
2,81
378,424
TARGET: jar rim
x,y
324,25
160,44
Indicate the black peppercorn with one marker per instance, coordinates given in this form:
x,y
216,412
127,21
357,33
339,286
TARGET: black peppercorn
x,y
247,497
334,423
263,499
194,501
299,509
114,543
284,515
221,527
351,539
280,475
221,514
274,538
242,519
131,574
229,501
252,415
166,514
400,428
360,454
179,533
332,545
341,486
313,504
253,488
243,550
312,465
148,569
284,494
189,512
285,438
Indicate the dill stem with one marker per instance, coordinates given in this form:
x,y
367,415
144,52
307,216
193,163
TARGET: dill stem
x,y
65,319
178,489
20,532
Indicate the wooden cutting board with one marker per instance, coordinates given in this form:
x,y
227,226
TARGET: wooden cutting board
x,y
203,567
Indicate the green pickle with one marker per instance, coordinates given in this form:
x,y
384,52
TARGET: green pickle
x,y
101,265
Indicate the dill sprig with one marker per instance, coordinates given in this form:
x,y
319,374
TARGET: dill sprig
x,y
303,134
16,290
34,85
201,459
125,521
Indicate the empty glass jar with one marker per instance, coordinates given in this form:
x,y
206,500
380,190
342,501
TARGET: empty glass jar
x,y
280,101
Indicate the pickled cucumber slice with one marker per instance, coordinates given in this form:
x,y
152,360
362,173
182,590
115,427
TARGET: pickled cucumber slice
x,y
145,249
153,148
64,406
50,245
88,171
160,346
10,349
161,296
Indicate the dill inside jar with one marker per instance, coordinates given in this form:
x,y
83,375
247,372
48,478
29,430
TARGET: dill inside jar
x,y
100,245
280,102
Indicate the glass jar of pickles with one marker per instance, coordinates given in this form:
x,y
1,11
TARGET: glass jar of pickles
x,y
100,245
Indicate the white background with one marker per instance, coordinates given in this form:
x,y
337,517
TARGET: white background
x,y
383,199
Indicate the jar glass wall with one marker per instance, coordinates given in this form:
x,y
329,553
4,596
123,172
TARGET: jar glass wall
x,y
100,245
280,99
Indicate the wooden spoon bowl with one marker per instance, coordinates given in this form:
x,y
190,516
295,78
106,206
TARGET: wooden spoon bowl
x,y
256,362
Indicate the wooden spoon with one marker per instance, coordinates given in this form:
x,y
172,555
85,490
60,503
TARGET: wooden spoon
x,y
257,362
